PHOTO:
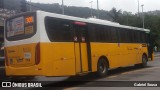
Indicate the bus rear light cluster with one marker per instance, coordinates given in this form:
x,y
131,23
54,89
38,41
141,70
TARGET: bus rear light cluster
x,y
6,57
37,58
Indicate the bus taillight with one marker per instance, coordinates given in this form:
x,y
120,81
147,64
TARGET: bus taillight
x,y
37,61
80,23
6,57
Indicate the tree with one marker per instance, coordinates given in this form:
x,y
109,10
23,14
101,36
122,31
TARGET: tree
x,y
152,18
115,14
23,6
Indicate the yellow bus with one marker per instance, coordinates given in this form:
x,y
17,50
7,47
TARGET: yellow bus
x,y
47,44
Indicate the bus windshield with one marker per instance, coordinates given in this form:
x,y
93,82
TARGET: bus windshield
x,y
21,27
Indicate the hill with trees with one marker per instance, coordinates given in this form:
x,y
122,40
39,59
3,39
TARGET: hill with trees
x,y
152,18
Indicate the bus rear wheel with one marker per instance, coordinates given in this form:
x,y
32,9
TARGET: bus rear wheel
x,y
144,61
102,67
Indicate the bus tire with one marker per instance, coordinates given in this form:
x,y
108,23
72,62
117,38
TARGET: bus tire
x,y
102,67
137,65
144,61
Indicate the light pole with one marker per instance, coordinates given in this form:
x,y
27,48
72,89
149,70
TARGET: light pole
x,y
138,7
142,16
62,7
97,9
91,8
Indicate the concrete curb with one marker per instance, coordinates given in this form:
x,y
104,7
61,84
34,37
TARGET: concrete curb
x,y
2,67
156,55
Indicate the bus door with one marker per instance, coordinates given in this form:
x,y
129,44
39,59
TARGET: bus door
x,y
81,47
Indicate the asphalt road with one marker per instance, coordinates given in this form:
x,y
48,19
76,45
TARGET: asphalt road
x,y
131,73
150,73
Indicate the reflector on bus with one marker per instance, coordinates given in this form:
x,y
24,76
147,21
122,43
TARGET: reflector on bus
x,y
80,23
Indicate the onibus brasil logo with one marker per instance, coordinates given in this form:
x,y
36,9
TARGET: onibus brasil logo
x,y
15,84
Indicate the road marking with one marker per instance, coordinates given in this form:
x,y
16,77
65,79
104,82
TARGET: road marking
x,y
156,58
144,69
72,88
125,73
112,76
132,72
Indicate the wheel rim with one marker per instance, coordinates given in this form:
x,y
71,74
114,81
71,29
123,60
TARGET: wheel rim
x,y
144,61
102,67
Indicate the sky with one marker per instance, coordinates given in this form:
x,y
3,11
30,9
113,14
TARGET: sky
x,y
124,5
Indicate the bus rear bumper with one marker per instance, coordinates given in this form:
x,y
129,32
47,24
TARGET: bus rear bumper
x,y
23,71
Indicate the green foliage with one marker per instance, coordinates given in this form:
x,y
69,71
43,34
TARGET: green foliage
x,y
115,14
12,4
152,19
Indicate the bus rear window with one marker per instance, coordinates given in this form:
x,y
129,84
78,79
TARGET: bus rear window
x,y
20,27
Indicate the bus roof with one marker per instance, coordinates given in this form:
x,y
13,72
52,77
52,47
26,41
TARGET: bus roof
x,y
90,20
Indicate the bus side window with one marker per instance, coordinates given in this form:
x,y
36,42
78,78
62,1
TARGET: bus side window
x,y
59,30
107,31
143,37
67,33
135,37
114,38
122,35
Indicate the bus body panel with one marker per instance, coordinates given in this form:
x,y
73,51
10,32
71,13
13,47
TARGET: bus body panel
x,y
21,55
118,55
55,59
24,71
58,59
65,58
